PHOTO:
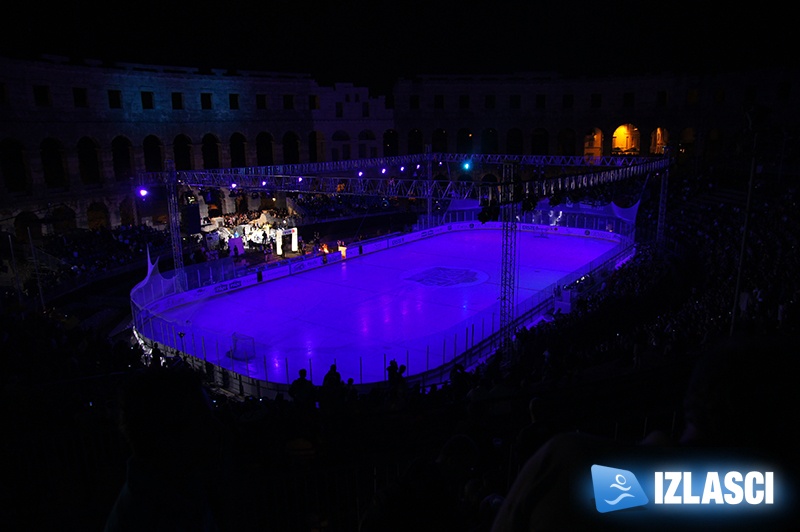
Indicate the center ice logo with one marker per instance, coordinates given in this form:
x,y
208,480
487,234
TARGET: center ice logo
x,y
616,489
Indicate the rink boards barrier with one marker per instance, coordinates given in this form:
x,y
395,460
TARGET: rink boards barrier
x,y
231,360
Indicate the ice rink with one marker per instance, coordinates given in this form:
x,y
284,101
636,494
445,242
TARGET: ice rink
x,y
420,303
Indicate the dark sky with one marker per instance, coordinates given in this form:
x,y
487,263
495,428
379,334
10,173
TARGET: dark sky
x,y
373,43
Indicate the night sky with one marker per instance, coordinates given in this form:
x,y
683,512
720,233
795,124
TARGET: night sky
x,y
381,41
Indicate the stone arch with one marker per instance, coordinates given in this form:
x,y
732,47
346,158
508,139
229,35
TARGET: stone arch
x,y
439,141
54,166
127,211
182,153
265,149
97,216
340,146
540,142
367,148
464,141
515,144
122,158
659,139
291,148
210,149
566,143
89,162
238,150
153,154
24,221
13,167
316,147
416,143
625,140
391,143
63,218
490,144
687,144
593,143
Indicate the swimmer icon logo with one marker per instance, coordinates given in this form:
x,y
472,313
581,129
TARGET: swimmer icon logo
x,y
616,489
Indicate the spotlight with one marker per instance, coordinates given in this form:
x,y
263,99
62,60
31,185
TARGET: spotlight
x,y
142,192
467,165
233,185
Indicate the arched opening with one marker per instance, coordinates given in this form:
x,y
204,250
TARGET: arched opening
x,y
316,147
265,149
659,139
153,154
127,212
686,145
53,166
489,141
210,152
439,141
16,177
122,158
89,162
97,216
238,147
415,142
391,143
341,146
291,148
367,146
539,142
593,143
63,219
464,141
25,221
182,153
566,144
625,140
514,143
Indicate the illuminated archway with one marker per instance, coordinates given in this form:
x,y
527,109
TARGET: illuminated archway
x,y
626,140
659,139
593,143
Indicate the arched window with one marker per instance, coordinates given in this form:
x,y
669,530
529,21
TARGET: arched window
x,y
153,154
89,162
210,152
625,140
489,142
182,153
316,147
122,158
291,148
566,143
53,166
391,143
439,141
514,142
415,142
540,141
16,177
265,149
97,216
238,148
464,141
